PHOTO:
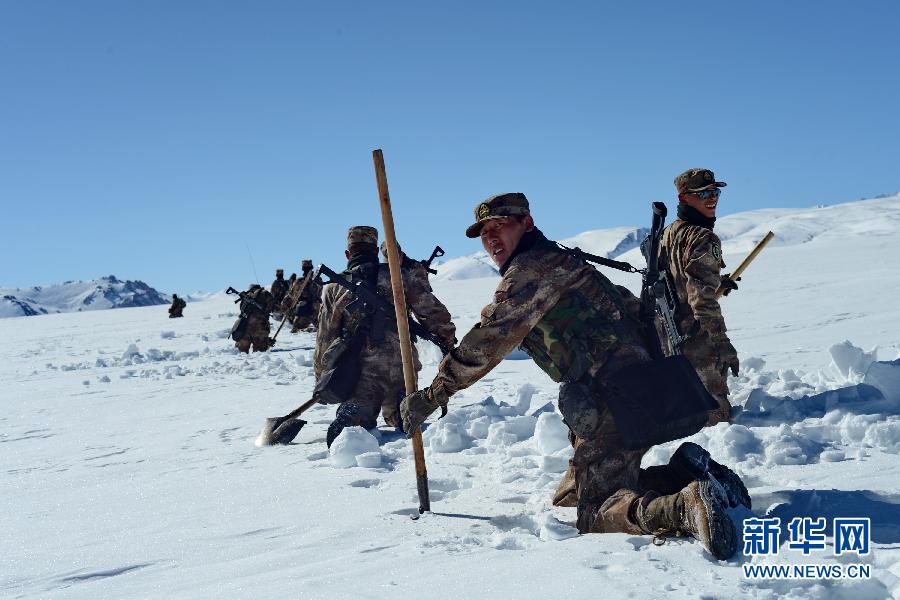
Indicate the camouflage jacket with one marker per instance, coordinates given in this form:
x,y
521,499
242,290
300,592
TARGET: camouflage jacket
x,y
693,257
278,289
420,300
556,306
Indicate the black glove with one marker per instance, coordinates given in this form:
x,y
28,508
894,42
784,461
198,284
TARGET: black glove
x,y
728,284
726,355
416,407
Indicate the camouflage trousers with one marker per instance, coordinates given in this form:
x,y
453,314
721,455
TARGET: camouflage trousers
x,y
257,335
699,354
604,478
304,318
380,389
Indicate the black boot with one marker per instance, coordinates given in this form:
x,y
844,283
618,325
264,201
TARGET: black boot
x,y
342,418
696,461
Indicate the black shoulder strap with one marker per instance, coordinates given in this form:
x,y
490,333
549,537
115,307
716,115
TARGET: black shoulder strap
x,y
600,260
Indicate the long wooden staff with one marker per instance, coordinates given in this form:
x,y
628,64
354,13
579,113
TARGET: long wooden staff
x,y
303,285
409,373
746,262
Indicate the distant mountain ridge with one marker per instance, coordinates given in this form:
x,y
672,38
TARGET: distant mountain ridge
x,y
74,296
739,232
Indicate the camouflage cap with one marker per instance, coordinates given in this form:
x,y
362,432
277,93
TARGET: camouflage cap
x,y
511,204
695,180
362,234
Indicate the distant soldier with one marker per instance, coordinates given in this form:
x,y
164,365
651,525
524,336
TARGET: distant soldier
x,y
575,325
253,326
306,311
439,320
367,345
279,287
692,254
177,307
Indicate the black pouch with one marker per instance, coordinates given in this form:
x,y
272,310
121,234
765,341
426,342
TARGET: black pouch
x,y
339,378
239,329
657,401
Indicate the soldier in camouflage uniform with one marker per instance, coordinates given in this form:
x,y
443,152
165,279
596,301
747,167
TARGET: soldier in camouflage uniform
x,y
177,307
279,287
381,373
692,254
416,284
306,312
258,327
576,326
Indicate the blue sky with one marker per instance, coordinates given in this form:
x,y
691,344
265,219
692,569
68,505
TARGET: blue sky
x,y
162,140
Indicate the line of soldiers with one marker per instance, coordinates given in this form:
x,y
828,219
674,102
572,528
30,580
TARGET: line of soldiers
x,y
584,332
257,305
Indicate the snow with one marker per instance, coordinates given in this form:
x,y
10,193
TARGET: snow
x,y
129,469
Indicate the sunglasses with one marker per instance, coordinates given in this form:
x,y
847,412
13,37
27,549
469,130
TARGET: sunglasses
x,y
707,194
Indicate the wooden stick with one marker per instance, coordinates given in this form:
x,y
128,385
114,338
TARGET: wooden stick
x,y
303,285
409,373
746,262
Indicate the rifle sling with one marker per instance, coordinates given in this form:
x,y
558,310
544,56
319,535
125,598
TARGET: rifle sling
x,y
606,262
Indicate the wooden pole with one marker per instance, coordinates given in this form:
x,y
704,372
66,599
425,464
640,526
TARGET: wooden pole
x,y
746,262
409,373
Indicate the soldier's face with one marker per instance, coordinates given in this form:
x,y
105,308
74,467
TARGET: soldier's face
x,y
501,236
705,206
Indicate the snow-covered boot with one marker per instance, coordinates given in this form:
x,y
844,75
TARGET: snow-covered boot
x,y
698,510
696,461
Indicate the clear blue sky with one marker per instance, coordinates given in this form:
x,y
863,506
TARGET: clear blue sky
x,y
159,140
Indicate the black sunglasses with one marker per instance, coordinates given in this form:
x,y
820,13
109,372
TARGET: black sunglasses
x,y
707,194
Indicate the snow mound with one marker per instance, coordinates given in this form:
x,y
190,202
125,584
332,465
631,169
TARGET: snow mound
x,y
353,446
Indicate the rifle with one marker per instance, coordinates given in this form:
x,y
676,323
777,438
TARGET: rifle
x,y
658,290
243,296
367,297
436,253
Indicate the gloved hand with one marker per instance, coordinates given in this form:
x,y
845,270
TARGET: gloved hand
x,y
416,407
726,355
728,284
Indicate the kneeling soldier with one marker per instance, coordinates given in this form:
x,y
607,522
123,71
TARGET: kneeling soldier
x,y
574,323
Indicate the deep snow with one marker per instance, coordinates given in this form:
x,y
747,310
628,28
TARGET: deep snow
x,y
129,469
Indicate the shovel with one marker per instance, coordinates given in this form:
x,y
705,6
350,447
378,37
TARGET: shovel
x,y
283,430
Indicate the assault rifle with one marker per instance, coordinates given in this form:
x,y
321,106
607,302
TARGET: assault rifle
x,y
658,290
243,296
365,297
436,253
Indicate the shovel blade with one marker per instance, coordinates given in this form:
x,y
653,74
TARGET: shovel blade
x,y
279,430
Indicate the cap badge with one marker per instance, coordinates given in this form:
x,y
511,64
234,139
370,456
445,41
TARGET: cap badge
x,y
484,211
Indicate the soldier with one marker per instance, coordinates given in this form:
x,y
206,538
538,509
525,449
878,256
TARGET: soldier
x,y
256,312
693,256
374,348
439,319
177,307
574,323
306,311
279,287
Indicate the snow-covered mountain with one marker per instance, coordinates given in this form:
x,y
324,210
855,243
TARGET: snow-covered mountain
x,y
73,296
